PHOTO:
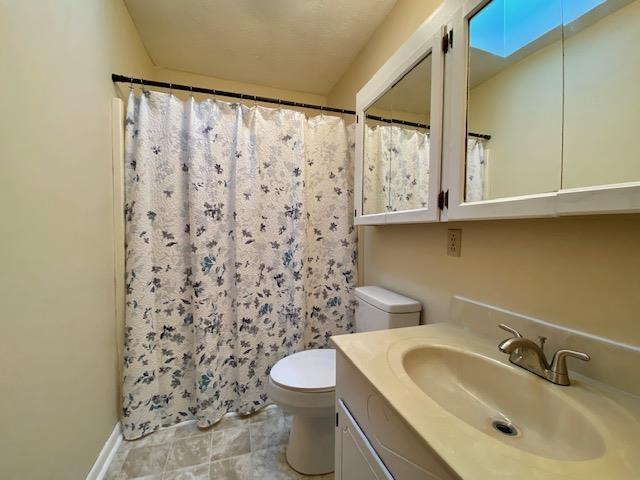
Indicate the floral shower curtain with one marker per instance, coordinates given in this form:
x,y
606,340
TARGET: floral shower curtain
x,y
476,170
396,165
240,249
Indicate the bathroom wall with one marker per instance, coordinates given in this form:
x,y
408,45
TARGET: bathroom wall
x,y
578,271
58,375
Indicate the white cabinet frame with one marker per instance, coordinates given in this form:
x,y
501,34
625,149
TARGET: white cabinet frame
x,y
426,40
624,197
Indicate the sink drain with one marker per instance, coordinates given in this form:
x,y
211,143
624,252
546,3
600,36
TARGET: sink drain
x,y
505,428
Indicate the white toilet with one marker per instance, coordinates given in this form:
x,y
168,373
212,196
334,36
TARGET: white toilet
x,y
303,384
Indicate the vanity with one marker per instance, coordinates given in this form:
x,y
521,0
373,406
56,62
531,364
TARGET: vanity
x,y
504,109
442,402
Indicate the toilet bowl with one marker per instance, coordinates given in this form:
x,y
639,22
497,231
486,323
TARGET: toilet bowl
x,y
303,385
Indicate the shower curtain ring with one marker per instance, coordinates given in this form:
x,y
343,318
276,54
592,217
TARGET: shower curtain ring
x,y
191,90
170,88
131,84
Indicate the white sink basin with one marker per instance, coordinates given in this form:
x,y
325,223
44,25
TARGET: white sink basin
x,y
449,385
505,402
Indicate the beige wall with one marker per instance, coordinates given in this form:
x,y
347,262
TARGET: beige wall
x,y
185,78
58,378
402,21
578,271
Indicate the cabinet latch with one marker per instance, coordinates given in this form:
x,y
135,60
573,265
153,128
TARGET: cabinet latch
x,y
443,199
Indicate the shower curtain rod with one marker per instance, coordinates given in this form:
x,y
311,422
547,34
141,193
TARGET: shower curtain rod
x,y
243,96
420,125
276,101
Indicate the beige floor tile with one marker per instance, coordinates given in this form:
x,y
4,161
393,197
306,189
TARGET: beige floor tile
x,y
230,443
145,461
115,467
190,429
159,437
189,451
199,472
270,432
235,468
265,413
239,448
271,463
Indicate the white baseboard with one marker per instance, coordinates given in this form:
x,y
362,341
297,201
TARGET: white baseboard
x,y
100,467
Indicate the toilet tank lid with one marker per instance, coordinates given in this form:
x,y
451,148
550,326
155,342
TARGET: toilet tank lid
x,y
387,300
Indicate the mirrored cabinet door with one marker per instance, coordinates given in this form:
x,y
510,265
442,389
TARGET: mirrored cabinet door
x,y
401,133
514,92
542,109
396,175
602,92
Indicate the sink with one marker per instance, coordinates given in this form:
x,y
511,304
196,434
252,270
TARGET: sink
x,y
507,403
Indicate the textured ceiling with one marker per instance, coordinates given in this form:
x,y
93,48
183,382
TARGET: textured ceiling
x,y
303,45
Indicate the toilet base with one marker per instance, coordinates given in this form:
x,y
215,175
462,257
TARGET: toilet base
x,y
311,445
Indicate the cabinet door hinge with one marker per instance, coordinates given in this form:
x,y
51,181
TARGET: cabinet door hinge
x,y
447,41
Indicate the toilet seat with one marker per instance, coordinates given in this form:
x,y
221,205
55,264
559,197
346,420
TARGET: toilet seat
x,y
306,371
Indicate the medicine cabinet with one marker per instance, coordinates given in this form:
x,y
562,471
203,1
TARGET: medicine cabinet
x,y
508,109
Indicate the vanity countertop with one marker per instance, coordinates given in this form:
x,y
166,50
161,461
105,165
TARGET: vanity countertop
x,y
477,455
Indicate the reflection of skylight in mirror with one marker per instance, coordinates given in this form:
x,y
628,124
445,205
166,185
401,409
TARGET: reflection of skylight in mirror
x,y
505,26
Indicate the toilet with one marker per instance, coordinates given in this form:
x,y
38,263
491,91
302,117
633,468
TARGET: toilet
x,y
303,384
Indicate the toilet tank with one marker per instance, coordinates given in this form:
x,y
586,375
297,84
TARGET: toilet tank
x,y
379,309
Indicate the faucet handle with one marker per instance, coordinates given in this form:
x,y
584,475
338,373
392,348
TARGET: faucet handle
x,y
559,364
542,340
509,329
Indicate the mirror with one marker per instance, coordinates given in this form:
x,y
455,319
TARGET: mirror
x,y
515,87
602,93
396,145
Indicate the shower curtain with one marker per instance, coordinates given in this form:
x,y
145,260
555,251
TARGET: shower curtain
x,y
240,249
475,171
396,169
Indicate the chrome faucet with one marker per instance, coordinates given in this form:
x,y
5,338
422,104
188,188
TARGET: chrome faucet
x,y
529,355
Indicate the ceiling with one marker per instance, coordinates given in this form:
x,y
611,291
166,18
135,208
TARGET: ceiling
x,y
302,45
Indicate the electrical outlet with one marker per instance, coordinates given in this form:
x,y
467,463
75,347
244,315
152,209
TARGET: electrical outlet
x,y
454,242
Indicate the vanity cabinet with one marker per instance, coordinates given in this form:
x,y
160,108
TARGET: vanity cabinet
x,y
372,441
530,108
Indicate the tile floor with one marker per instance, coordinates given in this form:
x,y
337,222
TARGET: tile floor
x,y
236,448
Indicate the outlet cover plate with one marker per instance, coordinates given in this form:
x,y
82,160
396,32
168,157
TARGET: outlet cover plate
x,y
454,242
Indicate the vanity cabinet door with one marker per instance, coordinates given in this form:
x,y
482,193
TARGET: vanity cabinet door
x,y
399,139
355,457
